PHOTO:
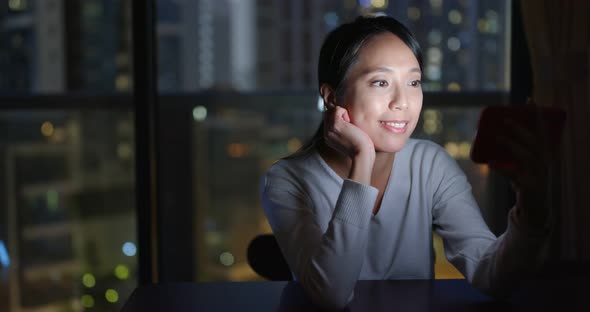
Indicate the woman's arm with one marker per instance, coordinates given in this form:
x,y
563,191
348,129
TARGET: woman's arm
x,y
493,265
326,260
327,264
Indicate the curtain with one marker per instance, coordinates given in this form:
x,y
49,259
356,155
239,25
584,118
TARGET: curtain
x,y
558,37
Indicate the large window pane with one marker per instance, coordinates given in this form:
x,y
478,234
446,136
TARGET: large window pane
x,y
51,46
274,45
67,192
67,228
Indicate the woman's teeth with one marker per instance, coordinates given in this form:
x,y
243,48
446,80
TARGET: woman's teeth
x,y
395,124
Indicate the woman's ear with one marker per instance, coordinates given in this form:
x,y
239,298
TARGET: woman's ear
x,y
328,94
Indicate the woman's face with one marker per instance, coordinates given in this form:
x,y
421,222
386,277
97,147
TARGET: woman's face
x,y
383,92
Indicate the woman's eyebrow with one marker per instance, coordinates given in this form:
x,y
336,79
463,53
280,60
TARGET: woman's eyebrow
x,y
388,69
385,69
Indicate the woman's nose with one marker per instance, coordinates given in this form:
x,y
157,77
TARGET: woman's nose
x,y
399,102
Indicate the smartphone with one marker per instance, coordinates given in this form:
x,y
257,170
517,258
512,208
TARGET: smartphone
x,y
549,120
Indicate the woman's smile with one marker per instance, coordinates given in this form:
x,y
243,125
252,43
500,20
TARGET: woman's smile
x,y
395,126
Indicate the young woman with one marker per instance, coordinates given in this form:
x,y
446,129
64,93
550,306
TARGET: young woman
x,y
361,200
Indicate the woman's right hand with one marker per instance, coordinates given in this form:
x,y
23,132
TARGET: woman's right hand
x,y
343,136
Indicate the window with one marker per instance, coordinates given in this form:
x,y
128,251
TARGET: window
x,y
67,215
230,104
264,106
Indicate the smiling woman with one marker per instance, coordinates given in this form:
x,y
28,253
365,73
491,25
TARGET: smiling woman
x,y
360,200
383,94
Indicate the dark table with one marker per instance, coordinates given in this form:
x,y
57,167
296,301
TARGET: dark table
x,y
560,286
396,295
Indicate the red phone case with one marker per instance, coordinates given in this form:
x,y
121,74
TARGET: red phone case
x,y
485,147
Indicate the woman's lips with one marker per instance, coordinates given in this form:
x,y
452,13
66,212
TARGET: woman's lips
x,y
395,126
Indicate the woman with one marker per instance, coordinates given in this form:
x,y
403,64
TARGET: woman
x,y
360,201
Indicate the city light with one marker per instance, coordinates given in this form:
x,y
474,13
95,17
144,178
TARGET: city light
x,y
432,114
124,150
58,136
464,148
88,280
434,37
365,3
122,272
433,72
129,249
490,23
52,200
123,82
17,5
434,55
414,13
436,4
4,258
430,126
226,258
331,19
454,87
87,301
458,150
455,17
454,44
293,145
492,19
47,129
237,150
379,4
199,113
432,121
111,295
452,149
484,170
483,26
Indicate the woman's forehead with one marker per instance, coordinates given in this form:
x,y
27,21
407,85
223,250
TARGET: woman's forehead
x,y
386,51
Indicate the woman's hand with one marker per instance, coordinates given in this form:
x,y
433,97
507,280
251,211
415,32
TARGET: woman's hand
x,y
530,175
343,136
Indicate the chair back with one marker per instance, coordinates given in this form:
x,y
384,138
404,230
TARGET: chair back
x,y
266,259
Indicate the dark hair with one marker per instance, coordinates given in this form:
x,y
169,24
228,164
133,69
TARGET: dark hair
x,y
340,52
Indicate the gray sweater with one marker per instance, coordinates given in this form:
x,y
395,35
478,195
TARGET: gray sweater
x,y
330,237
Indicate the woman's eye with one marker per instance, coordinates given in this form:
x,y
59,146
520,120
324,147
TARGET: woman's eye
x,y
380,83
416,83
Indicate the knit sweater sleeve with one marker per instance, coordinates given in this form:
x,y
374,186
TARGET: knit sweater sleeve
x,y
326,263
489,263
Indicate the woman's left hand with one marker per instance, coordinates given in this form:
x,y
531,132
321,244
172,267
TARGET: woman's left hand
x,y
533,158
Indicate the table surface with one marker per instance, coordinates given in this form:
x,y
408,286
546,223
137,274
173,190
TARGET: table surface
x,y
393,295
564,286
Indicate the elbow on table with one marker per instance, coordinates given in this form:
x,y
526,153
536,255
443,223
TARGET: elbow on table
x,y
331,298
332,302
